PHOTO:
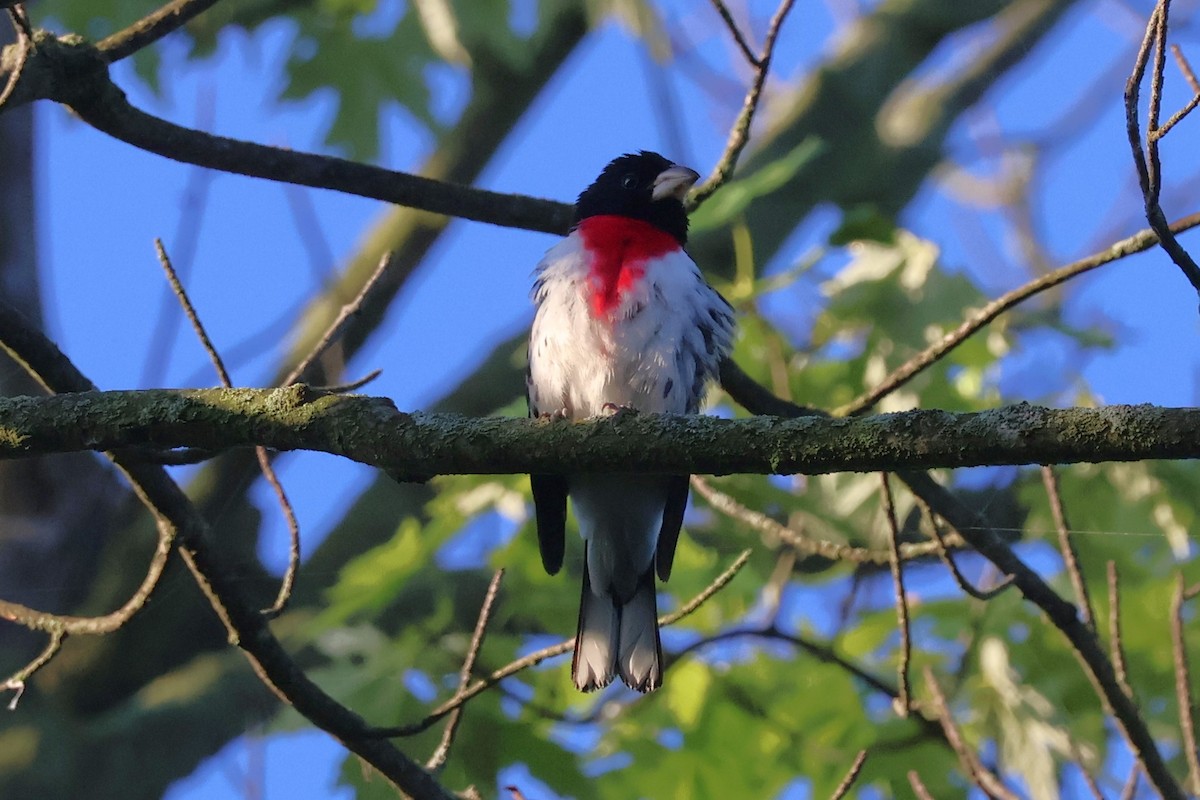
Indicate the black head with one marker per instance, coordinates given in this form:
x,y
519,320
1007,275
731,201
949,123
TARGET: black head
x,y
642,186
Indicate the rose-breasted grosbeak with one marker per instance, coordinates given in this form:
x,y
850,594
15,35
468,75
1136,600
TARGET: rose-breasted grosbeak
x,y
624,319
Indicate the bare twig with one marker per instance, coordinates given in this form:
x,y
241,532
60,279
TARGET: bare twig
x,y
914,780
1183,688
264,460
804,544
771,593
1069,554
438,759
59,626
288,582
1185,68
1114,631
851,776
739,134
20,18
984,778
1146,160
245,626
193,204
190,312
742,44
1130,789
338,326
533,659
903,704
719,583
25,40
151,28
1138,243
354,385
1088,780
16,681
1188,107
947,557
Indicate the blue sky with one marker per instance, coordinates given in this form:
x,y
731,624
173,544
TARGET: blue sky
x,y
101,203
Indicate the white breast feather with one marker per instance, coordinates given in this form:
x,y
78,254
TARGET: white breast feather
x,y
646,357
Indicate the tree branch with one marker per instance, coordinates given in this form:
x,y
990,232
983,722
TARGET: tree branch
x,y
1138,243
418,445
246,627
75,73
151,28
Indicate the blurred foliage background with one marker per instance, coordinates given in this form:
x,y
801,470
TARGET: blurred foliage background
x,y
912,159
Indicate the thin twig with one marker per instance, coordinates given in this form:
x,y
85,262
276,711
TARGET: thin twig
x,y
190,312
914,780
338,326
742,44
1115,644
62,625
151,28
1138,243
947,557
903,704
16,681
1183,688
984,778
20,17
1069,554
1185,68
352,386
533,659
185,243
1131,782
438,759
851,776
185,527
1077,758
804,544
25,40
264,460
288,582
1147,161
739,134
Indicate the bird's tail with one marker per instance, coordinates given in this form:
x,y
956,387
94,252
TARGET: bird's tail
x,y
618,638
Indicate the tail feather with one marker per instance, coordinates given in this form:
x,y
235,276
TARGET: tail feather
x,y
639,649
595,661
618,638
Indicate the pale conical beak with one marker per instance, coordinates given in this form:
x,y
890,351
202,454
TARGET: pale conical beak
x,y
674,181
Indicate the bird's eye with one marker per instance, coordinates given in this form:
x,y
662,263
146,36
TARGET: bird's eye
x,y
630,181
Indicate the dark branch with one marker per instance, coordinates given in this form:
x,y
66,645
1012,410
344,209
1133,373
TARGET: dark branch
x,y
75,73
151,28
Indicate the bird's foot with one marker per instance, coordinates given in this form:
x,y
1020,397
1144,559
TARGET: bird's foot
x,y
554,416
614,410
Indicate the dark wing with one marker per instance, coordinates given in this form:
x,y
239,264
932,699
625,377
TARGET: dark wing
x,y
668,535
550,508
549,502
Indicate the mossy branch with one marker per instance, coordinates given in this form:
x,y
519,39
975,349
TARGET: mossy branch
x,y
372,431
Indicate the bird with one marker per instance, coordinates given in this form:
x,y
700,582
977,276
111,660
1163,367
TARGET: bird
x,y
624,320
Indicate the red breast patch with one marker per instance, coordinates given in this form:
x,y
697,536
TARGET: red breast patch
x,y
620,248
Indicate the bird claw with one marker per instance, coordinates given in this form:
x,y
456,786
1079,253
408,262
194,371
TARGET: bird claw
x,y
615,410
554,416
